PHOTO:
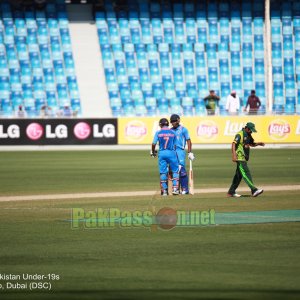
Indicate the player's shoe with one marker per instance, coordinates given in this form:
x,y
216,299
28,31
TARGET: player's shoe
x,y
257,193
184,192
175,191
235,195
164,193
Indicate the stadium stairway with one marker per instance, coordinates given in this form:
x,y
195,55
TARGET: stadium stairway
x,y
90,72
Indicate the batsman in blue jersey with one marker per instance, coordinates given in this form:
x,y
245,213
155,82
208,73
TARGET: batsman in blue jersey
x,y
182,138
166,156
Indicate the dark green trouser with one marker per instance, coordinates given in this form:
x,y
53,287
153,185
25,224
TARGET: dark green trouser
x,y
242,171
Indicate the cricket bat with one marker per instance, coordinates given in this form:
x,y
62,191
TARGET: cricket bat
x,y
191,179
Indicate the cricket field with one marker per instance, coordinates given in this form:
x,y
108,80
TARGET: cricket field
x,y
92,225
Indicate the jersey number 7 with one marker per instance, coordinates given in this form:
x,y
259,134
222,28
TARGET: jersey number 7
x,y
166,138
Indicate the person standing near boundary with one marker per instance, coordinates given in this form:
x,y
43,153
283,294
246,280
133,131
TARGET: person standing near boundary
x,y
166,156
211,102
233,103
254,104
240,149
182,138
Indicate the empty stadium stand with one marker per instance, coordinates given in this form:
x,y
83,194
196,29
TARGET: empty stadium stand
x,y
164,57
158,57
285,38
37,68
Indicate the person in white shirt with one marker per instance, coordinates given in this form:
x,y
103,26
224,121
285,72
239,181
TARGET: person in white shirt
x,y
233,103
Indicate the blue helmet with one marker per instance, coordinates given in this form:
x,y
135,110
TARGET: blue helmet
x,y
163,122
174,118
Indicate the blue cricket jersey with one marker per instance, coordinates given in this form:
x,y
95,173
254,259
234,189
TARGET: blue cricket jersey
x,y
166,138
182,135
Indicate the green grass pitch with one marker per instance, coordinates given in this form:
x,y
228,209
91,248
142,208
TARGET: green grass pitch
x,y
240,261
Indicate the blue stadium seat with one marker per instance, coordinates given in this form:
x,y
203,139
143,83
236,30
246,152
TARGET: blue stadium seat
x,y
146,31
176,109
202,33
200,110
140,110
228,42
191,31
163,110
278,108
225,89
151,103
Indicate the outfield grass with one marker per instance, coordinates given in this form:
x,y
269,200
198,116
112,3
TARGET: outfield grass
x,y
246,261
217,262
96,171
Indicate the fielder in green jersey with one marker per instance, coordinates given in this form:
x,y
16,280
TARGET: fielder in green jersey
x,y
240,149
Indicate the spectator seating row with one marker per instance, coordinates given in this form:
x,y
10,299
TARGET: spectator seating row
x,y
36,61
285,38
176,52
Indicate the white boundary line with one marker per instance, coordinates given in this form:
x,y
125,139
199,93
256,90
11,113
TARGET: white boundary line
x,y
270,188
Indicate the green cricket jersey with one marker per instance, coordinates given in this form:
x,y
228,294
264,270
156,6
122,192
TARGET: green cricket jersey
x,y
242,141
210,102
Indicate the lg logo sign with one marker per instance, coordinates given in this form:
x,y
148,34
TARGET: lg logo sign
x,y
12,132
35,131
58,132
83,130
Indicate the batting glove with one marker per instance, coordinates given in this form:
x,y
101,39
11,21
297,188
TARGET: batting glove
x,y
153,154
191,156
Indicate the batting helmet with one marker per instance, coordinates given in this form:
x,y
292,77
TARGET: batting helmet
x,y
174,118
163,122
